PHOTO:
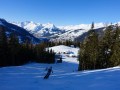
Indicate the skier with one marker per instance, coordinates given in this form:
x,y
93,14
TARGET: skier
x,y
48,73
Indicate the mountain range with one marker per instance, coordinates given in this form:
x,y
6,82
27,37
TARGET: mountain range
x,y
51,32
60,33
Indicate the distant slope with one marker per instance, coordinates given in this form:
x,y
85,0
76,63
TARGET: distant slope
x,y
63,48
22,34
81,37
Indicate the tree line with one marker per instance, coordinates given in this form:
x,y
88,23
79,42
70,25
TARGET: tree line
x,y
100,52
66,43
13,53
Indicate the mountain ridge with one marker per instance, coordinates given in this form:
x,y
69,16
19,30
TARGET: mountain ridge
x,y
60,33
21,33
57,33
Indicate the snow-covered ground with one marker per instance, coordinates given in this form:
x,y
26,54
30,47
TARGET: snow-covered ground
x,y
64,77
66,49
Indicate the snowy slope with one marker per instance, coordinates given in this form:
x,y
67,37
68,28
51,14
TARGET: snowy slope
x,y
68,50
63,48
64,77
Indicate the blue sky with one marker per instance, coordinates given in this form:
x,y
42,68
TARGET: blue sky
x,y
61,12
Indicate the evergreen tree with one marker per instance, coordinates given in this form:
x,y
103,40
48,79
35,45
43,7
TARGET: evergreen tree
x,y
115,57
3,47
89,51
82,57
14,48
52,56
92,26
105,48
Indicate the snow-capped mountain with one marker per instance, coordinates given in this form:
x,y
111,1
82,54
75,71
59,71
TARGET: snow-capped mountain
x,y
82,26
58,33
21,33
40,30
